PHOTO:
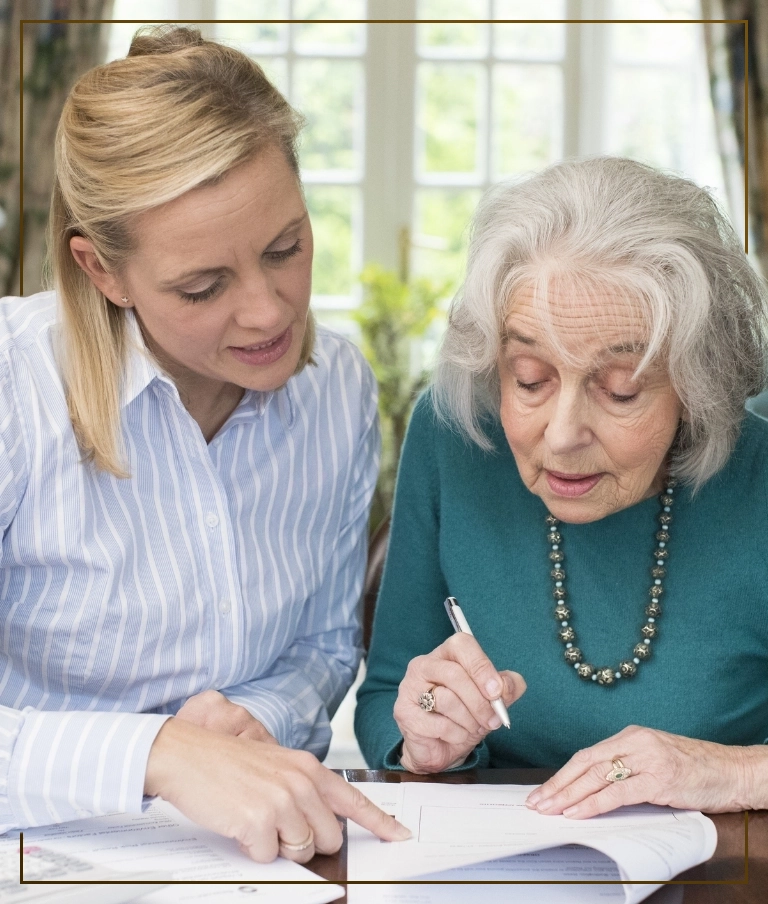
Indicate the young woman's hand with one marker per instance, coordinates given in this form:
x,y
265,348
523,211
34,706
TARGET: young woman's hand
x,y
213,711
259,793
463,682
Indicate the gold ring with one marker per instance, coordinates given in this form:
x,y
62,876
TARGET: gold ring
x,y
297,848
427,700
619,771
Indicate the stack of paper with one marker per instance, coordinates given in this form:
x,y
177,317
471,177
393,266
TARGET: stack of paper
x,y
477,833
163,842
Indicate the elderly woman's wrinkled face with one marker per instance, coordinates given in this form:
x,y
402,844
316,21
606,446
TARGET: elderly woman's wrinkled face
x,y
588,437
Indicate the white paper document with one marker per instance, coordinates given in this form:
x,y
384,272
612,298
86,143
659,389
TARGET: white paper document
x,y
486,833
162,841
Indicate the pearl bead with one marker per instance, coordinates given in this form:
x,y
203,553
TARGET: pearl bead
x,y
636,661
657,581
564,624
568,646
558,583
555,546
667,509
647,640
651,620
662,544
594,677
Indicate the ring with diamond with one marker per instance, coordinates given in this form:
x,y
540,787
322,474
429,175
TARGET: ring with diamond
x,y
427,701
619,771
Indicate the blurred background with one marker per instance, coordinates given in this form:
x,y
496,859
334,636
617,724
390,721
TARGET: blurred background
x,y
408,120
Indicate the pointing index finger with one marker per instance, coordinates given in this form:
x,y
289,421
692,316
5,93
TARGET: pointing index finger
x,y
346,800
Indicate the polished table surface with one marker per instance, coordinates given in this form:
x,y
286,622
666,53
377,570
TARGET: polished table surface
x,y
721,880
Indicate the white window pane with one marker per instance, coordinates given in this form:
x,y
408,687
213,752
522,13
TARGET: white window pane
x,y
656,9
654,42
334,211
146,12
527,117
452,38
329,37
276,70
255,37
440,232
341,322
529,40
450,98
649,119
329,92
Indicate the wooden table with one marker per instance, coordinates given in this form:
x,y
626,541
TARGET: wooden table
x,y
721,880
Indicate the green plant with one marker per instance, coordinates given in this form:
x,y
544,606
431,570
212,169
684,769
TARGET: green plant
x,y
394,315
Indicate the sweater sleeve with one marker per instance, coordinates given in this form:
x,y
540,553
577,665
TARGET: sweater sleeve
x,y
410,618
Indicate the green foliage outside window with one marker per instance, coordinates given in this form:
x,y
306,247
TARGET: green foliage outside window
x,y
392,316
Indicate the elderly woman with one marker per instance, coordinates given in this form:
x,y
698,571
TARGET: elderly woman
x,y
186,466
583,478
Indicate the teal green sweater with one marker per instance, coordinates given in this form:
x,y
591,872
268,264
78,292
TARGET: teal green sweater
x,y
465,525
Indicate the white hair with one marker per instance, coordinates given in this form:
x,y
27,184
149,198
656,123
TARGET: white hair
x,y
652,240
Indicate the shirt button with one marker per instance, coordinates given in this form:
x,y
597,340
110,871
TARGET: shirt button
x,y
211,520
224,607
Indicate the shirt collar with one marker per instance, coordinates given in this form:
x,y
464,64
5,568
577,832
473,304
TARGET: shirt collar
x,y
141,370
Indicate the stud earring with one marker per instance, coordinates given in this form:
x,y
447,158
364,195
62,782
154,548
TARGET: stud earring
x,y
124,299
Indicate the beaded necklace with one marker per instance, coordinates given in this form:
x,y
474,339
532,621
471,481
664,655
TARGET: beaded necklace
x,y
608,675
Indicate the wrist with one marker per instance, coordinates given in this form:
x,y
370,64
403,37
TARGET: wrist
x,y
163,763
753,778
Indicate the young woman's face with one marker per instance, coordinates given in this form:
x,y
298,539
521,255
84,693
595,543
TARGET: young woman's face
x,y
221,278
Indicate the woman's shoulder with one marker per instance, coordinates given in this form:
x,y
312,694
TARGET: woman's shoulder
x,y
745,475
337,383
335,354
447,434
26,322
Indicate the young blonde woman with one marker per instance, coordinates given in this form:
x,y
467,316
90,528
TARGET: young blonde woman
x,y
186,467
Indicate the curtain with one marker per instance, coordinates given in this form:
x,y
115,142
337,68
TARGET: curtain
x,y
55,55
725,55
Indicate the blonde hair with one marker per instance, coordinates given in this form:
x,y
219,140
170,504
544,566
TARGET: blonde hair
x,y
177,112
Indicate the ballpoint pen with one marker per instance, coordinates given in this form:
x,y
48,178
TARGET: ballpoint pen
x,y
461,626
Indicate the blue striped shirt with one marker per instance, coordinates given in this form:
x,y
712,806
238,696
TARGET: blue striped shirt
x,y
235,565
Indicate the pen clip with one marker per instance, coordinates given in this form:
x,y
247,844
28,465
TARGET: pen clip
x,y
450,602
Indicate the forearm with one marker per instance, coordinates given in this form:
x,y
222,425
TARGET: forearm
x,y
70,765
297,698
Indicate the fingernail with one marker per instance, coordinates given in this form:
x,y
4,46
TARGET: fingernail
x,y
494,721
402,833
493,687
571,811
533,797
544,805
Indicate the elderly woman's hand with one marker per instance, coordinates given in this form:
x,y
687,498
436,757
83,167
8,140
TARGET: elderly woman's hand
x,y
211,710
463,682
665,769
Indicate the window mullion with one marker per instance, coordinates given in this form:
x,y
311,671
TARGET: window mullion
x,y
593,65
388,186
